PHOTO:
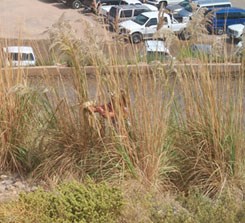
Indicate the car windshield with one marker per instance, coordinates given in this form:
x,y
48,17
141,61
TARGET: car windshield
x,y
188,8
141,19
184,3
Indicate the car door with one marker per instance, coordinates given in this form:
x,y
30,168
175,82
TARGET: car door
x,y
150,28
242,17
126,15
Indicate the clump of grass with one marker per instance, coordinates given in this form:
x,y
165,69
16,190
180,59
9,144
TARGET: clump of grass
x,y
69,138
140,146
67,143
19,123
150,206
144,205
210,134
225,208
72,146
77,52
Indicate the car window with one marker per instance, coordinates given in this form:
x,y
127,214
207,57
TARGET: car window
x,y
113,12
188,8
21,56
111,3
27,56
233,15
123,3
184,3
221,6
126,13
141,19
138,11
151,22
242,15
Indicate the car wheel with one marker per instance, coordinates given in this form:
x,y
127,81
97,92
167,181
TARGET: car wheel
x,y
220,31
136,38
76,4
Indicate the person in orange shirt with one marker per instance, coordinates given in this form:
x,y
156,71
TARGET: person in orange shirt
x,y
116,107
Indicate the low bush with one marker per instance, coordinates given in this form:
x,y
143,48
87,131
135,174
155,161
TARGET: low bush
x,y
69,202
227,208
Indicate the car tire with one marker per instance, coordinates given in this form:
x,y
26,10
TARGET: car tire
x,y
136,38
76,4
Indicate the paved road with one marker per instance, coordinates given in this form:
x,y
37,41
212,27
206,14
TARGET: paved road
x,y
238,3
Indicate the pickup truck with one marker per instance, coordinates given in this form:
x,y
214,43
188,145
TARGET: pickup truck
x,y
144,26
236,31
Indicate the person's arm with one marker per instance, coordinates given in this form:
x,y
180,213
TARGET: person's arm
x,y
104,112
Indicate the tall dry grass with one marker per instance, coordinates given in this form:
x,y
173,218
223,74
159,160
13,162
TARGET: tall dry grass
x,y
19,121
210,137
76,143
181,130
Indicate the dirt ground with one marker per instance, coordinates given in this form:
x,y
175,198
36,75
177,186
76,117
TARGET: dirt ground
x,y
28,19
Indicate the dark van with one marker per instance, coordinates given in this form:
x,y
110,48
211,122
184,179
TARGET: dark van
x,y
222,18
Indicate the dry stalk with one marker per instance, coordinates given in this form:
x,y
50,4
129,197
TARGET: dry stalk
x,y
165,34
197,24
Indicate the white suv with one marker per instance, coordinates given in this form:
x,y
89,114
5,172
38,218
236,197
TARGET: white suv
x,y
19,56
158,3
104,9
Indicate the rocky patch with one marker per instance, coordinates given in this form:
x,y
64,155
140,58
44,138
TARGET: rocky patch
x,y
11,185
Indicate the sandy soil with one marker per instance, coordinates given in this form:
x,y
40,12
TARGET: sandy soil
x,y
28,19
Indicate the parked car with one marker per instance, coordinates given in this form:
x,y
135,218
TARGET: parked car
x,y
236,31
187,12
156,50
104,9
199,48
75,4
19,56
144,26
93,5
175,8
163,3
121,13
222,18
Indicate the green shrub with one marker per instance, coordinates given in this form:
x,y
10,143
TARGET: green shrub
x,y
70,202
224,209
